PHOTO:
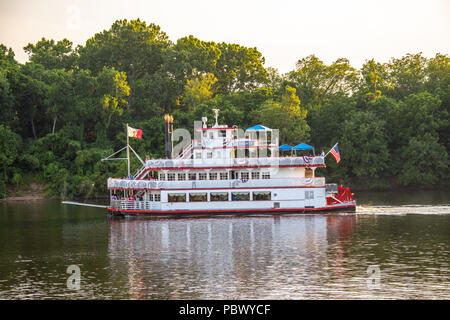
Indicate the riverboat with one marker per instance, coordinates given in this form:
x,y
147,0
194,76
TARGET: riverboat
x,y
225,170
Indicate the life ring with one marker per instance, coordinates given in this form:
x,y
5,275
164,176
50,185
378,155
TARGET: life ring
x,y
242,162
157,163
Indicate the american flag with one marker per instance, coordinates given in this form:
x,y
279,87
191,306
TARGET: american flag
x,y
335,152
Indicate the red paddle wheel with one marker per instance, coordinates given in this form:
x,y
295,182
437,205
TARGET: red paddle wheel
x,y
342,196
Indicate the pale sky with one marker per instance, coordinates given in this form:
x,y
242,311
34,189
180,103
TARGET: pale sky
x,y
284,31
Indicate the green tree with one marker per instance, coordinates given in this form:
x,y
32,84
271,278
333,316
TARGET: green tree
x,y
9,150
315,81
407,75
116,89
375,80
9,70
239,68
51,54
424,162
59,94
199,89
364,145
292,126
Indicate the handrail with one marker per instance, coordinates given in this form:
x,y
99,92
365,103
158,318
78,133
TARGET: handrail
x,y
236,162
126,184
135,205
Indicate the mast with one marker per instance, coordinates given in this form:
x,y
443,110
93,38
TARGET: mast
x,y
128,152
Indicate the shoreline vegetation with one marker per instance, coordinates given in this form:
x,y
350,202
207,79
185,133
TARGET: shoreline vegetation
x,y
66,108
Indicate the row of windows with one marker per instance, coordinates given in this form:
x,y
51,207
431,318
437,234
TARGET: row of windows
x,y
154,197
213,176
219,196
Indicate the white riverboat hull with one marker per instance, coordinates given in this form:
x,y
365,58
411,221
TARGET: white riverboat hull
x,y
348,207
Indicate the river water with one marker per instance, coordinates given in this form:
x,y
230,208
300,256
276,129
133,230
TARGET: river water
x,y
396,246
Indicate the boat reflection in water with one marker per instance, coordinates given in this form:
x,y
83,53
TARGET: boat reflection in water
x,y
229,257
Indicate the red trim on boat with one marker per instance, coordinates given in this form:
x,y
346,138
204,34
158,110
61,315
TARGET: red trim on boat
x,y
237,211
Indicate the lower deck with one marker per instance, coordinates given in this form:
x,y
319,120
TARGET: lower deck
x,y
349,207
223,199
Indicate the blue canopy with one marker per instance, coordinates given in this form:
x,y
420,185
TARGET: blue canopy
x,y
259,127
303,146
285,147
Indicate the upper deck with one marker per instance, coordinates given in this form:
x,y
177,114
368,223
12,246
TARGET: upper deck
x,y
222,147
266,162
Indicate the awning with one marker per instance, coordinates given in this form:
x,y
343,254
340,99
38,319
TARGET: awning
x,y
259,127
303,146
285,147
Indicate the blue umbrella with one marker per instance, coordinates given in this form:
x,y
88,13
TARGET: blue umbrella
x,y
303,146
259,127
285,147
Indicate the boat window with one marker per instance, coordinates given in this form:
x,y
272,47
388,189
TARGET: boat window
x,y
182,176
244,175
171,176
240,196
211,134
266,175
198,197
224,176
309,194
176,197
198,155
209,155
219,196
202,176
192,176
262,195
223,133
150,197
255,175
162,176
157,197
213,176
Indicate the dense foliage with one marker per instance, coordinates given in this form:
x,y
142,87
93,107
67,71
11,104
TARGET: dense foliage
x,y
66,108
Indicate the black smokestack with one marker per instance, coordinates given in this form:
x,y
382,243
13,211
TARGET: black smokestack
x,y
168,133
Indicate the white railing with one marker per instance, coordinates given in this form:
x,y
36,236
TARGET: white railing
x,y
236,162
206,184
135,205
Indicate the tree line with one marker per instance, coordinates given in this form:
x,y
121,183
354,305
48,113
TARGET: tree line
x,y
66,108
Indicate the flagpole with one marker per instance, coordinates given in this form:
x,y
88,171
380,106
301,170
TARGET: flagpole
x,y
128,152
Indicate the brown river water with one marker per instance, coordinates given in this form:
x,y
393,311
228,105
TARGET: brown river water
x,y
396,246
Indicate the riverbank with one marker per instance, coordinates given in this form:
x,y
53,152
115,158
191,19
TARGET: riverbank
x,y
34,192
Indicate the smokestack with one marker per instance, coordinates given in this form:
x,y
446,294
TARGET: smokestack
x,y
168,132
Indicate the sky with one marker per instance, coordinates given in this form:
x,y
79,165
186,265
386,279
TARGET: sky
x,y
284,31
